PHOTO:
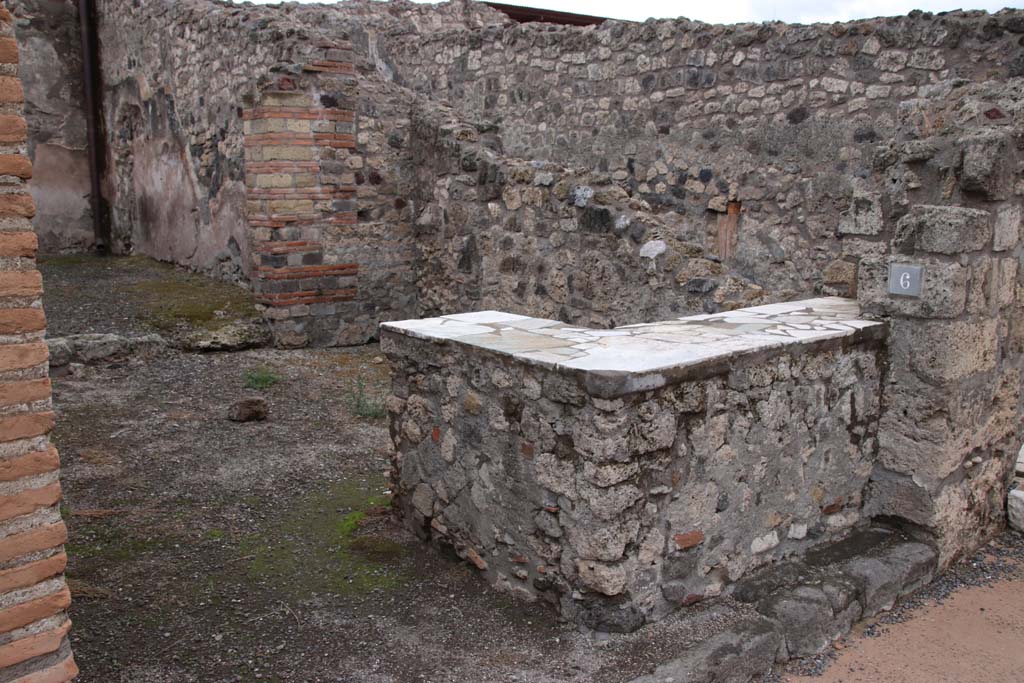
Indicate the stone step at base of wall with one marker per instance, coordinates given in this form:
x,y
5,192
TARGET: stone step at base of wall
x,y
799,608
86,349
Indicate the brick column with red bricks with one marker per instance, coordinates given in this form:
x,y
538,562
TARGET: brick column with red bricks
x,y
34,597
299,140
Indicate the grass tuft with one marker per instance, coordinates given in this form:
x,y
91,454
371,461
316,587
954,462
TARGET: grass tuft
x,y
363,403
260,378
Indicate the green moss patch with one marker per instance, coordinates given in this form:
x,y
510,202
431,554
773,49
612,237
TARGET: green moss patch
x,y
111,543
191,300
160,295
260,378
316,546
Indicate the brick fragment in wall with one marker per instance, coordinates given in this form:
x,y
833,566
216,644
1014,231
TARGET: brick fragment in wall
x,y
10,90
61,672
20,283
8,51
15,165
21,356
12,129
32,573
25,391
29,464
36,645
29,500
23,614
33,540
21,320
17,205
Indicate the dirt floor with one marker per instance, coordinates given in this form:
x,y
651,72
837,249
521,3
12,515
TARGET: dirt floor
x,y
208,551
133,296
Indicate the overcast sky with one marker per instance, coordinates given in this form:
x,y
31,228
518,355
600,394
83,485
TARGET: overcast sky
x,y
731,11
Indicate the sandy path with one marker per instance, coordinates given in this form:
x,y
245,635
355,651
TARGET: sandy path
x,y
975,636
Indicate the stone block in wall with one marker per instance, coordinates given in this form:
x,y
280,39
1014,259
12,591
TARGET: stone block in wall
x,y
944,352
943,294
840,277
524,445
864,217
1007,227
943,230
987,166
928,431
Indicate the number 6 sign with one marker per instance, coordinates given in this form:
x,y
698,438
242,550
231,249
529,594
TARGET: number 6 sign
x,y
905,279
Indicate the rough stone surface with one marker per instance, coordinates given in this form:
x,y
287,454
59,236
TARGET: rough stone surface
x,y
51,70
745,650
93,348
815,600
604,175
944,229
619,495
249,410
235,336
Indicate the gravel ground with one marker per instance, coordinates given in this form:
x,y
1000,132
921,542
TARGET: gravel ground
x,y
209,551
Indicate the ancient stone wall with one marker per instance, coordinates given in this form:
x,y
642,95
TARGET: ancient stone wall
x,y
945,194
176,77
750,139
537,238
51,69
236,138
34,646
618,487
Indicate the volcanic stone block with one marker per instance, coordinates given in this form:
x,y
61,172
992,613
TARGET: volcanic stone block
x,y
987,165
864,217
944,229
1007,228
943,291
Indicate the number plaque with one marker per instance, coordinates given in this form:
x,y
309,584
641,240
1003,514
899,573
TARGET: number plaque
x,y
905,279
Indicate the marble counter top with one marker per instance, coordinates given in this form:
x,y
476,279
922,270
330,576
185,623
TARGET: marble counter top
x,y
646,348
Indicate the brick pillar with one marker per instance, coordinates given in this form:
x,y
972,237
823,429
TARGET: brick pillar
x,y
951,423
300,191
34,597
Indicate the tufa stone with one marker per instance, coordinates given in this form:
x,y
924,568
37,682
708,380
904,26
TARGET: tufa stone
x,y
249,410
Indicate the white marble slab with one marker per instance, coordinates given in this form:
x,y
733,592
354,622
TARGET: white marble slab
x,y
650,347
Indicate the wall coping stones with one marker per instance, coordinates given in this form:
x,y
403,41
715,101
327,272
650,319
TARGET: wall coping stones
x,y
635,358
